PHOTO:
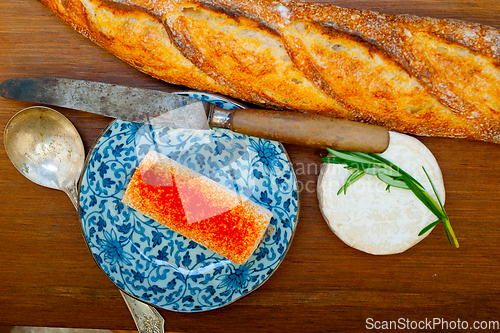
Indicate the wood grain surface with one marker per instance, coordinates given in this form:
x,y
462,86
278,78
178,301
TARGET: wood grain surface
x,y
48,277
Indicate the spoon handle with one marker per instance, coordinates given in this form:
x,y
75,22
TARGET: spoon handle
x,y
146,317
72,193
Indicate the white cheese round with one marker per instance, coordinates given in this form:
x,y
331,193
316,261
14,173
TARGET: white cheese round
x,y
368,217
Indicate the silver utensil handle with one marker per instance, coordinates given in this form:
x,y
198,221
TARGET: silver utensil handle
x,y
147,318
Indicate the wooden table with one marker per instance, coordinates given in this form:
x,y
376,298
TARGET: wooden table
x,y
48,277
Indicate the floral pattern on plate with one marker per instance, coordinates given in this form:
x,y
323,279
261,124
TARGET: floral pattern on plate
x,y
157,265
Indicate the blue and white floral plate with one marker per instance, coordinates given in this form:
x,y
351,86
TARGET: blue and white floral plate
x,y
155,264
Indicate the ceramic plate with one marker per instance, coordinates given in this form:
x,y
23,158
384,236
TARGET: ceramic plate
x,y
155,264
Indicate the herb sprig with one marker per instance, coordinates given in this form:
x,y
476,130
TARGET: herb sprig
x,y
389,173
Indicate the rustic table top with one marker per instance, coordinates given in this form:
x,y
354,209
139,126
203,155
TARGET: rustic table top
x,y
49,278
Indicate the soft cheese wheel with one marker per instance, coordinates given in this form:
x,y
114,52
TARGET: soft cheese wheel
x,y
368,217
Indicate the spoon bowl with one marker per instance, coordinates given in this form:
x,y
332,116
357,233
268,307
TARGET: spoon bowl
x,y
46,148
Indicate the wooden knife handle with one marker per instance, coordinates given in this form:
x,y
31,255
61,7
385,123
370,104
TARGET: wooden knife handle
x,y
307,130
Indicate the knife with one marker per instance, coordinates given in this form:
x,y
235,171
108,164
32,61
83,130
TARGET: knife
x,y
157,107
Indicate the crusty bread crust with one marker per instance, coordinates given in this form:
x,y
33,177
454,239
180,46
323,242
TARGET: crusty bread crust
x,y
417,75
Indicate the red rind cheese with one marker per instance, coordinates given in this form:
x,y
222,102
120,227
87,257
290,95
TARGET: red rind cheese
x,y
197,207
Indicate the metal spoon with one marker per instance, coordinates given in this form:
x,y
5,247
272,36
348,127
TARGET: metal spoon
x,y
47,149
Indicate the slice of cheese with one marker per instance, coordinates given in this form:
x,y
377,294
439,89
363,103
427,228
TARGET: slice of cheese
x,y
197,207
368,217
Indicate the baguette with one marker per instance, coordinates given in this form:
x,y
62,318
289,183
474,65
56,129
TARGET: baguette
x,y
418,75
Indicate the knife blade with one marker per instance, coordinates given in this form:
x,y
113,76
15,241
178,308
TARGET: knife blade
x,y
156,107
120,102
